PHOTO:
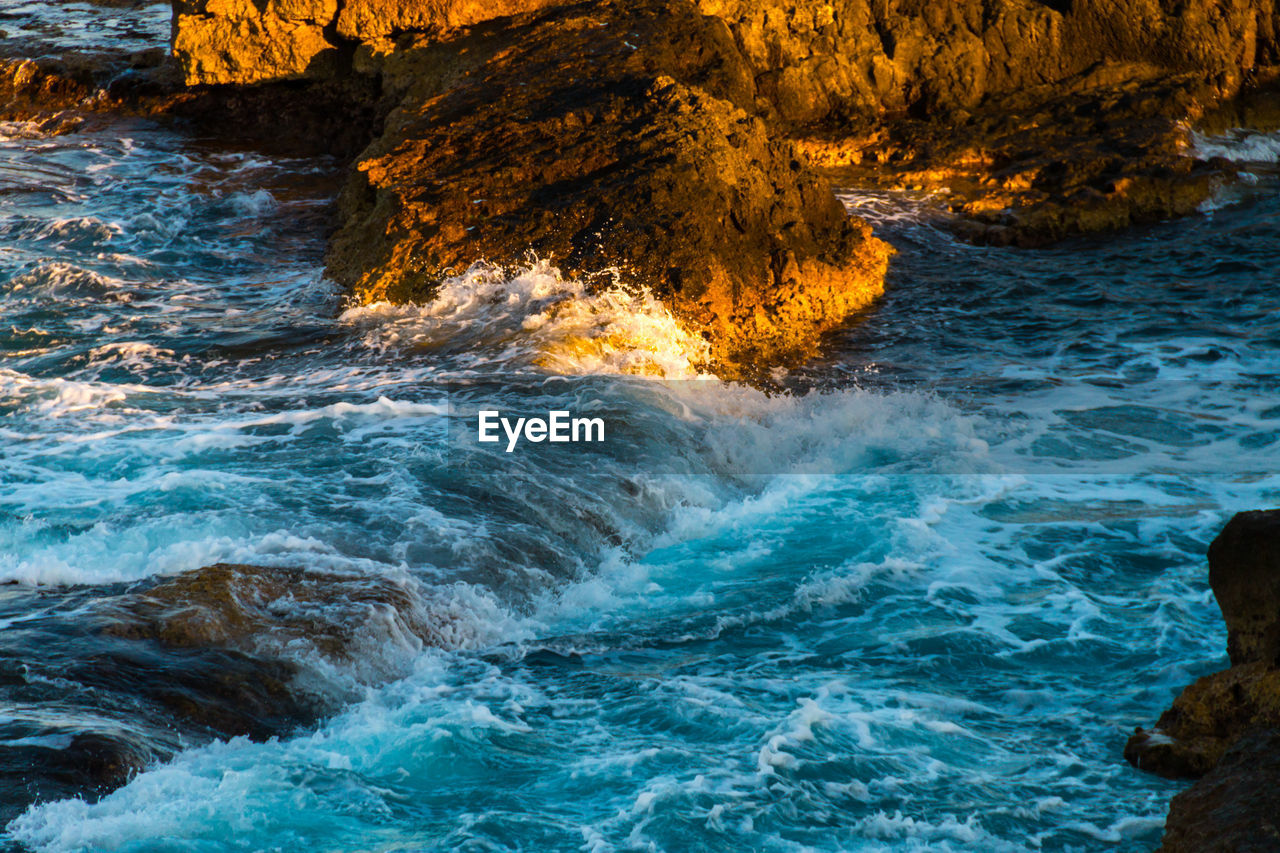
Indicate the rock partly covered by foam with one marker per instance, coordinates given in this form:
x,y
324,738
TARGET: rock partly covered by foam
x,y
284,614
1226,727
156,666
613,138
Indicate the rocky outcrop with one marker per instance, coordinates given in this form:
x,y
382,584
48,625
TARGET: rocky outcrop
x,y
1244,571
652,137
609,137
242,41
615,138
1226,727
673,141
1028,121
840,60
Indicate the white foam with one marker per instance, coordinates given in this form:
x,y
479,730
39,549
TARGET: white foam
x,y
537,319
1240,146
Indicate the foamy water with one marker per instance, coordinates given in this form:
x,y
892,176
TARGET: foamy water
x,y
917,601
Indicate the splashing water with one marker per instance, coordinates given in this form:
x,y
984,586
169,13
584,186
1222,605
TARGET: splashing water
x,y
537,319
917,603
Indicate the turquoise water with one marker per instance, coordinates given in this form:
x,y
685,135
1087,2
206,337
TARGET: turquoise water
x,y
917,601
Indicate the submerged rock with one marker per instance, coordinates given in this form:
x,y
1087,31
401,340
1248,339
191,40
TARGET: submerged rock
x,y
291,614
162,665
1226,726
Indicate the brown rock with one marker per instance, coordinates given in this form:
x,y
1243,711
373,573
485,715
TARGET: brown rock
x,y
235,41
1244,571
1034,121
609,136
278,613
1236,807
368,20
1225,728
222,651
1206,720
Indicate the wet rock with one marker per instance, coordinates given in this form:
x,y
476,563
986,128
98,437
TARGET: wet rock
x,y
1225,728
289,614
1236,807
39,763
166,664
608,137
30,88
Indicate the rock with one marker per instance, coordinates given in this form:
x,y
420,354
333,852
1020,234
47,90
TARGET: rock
x,y
155,667
537,125
1213,713
241,41
1244,571
605,137
673,140
38,763
285,614
1206,720
827,62
1225,728
370,20
1236,807
1030,122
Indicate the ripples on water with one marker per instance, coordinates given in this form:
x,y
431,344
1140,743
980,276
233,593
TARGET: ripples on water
x,y
937,636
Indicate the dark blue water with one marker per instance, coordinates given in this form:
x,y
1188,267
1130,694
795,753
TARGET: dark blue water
x,y
918,607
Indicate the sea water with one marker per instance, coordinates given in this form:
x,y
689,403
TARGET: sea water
x,y
914,595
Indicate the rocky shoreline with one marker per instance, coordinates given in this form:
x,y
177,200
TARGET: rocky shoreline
x,y
689,147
